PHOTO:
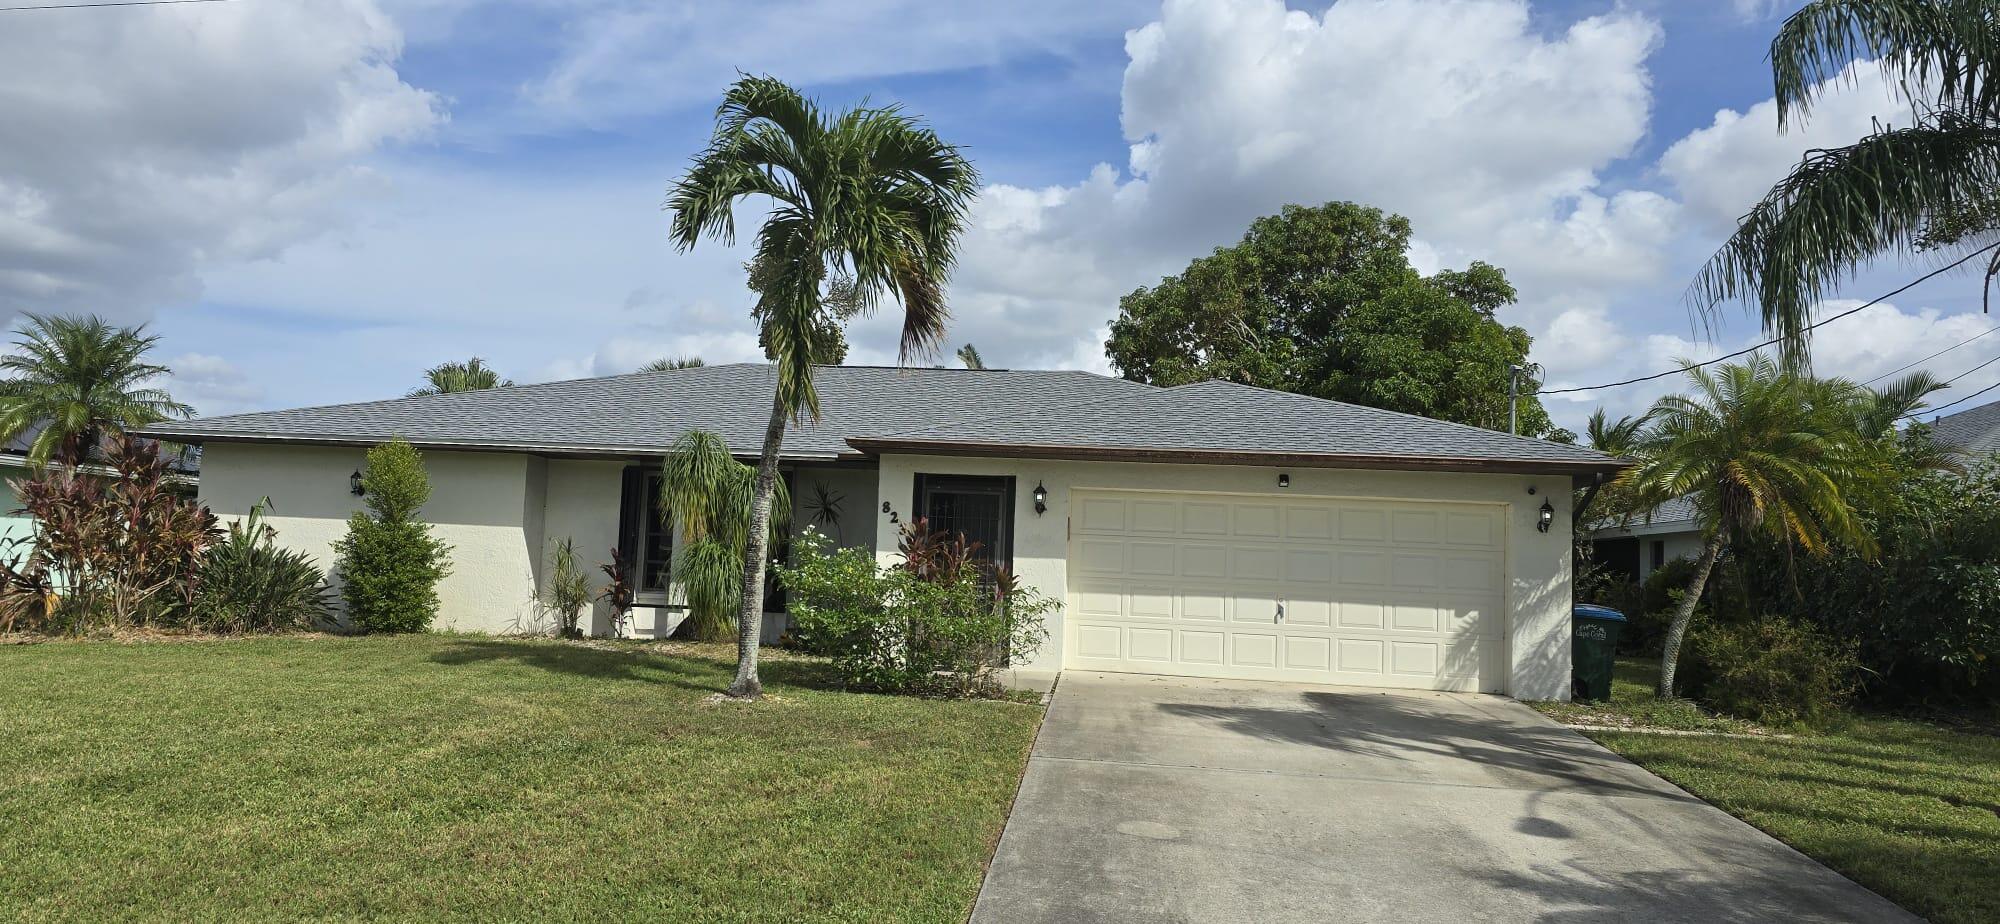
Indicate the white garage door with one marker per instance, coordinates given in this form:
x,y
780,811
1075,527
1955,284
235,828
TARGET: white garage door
x,y
1397,593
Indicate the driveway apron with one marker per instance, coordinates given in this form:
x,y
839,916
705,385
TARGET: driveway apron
x,y
1162,799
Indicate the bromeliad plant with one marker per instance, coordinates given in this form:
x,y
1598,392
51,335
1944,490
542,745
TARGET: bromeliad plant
x,y
249,583
706,494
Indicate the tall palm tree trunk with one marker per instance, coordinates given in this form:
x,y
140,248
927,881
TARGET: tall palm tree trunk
x,y
750,622
1670,657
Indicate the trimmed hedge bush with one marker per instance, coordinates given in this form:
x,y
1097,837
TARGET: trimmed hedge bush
x,y
390,564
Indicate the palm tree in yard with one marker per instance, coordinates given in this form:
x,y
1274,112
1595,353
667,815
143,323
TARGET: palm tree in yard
x,y
1930,184
81,379
1760,450
868,197
706,494
448,378
673,364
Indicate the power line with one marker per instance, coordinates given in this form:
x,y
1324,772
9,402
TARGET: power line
x,y
89,6
1939,411
1819,323
1932,356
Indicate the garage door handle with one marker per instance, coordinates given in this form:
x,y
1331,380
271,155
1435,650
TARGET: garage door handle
x,y
1281,611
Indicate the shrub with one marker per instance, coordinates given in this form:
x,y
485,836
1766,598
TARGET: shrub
x,y
1773,670
937,623
1925,611
567,591
618,595
126,548
390,564
249,583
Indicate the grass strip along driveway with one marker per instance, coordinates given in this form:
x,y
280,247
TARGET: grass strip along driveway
x,y
479,778
1909,809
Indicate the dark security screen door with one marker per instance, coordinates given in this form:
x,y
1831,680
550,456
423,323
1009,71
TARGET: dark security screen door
x,y
981,507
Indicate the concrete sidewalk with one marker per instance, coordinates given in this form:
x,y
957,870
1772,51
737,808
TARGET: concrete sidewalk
x,y
1171,799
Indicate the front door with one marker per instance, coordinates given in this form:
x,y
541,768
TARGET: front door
x,y
979,506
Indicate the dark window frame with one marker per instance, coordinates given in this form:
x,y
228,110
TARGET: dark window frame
x,y
1659,554
1002,485
640,525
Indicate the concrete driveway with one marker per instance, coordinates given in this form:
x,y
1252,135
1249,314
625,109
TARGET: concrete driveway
x,y
1169,799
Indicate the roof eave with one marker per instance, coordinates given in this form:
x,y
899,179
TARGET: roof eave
x,y
877,446
569,450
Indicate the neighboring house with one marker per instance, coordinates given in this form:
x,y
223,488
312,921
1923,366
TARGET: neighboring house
x,y
1976,430
1649,540
1210,530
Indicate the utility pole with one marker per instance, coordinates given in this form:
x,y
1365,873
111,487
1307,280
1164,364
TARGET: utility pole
x,y
1513,400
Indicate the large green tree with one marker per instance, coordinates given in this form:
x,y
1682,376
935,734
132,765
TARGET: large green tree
x,y
870,196
81,380
1930,183
1323,301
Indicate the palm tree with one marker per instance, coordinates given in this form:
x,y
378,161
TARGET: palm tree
x,y
705,492
671,363
1614,437
868,195
80,380
969,355
1931,182
1759,450
449,378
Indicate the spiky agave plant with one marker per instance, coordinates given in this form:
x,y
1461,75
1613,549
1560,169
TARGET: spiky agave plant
x,y
706,494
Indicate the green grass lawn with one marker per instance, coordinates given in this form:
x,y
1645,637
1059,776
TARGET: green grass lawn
x,y
1910,809
480,778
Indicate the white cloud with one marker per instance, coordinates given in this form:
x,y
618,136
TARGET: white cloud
x,y
1725,168
211,384
145,146
1459,114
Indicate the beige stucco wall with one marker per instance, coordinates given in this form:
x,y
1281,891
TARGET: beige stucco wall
x,y
1538,564
480,503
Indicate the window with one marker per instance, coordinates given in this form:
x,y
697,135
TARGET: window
x,y
979,507
643,534
1659,552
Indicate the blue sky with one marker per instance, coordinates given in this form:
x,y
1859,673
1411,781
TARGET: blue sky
x,y
311,202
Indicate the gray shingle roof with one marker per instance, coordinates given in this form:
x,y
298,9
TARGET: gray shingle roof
x,y
875,409
644,412
1976,430
1223,418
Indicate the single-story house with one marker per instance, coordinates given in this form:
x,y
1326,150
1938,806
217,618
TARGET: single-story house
x,y
1646,542
1211,529
1975,430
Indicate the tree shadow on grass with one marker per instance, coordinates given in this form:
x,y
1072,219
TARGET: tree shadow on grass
x,y
688,672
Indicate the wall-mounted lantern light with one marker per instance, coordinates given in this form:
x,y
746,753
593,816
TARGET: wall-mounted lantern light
x,y
1284,479
1548,515
1041,499
354,483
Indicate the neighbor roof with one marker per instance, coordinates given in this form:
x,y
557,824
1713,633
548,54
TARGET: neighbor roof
x,y
1226,422
1976,430
644,412
868,410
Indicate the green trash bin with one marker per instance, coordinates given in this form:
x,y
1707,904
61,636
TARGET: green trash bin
x,y
1593,650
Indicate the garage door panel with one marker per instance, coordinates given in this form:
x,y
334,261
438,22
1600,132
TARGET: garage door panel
x,y
1204,561
1152,559
1255,521
1207,605
1203,648
1391,593
1100,556
1308,653
1155,517
1250,650
1257,564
